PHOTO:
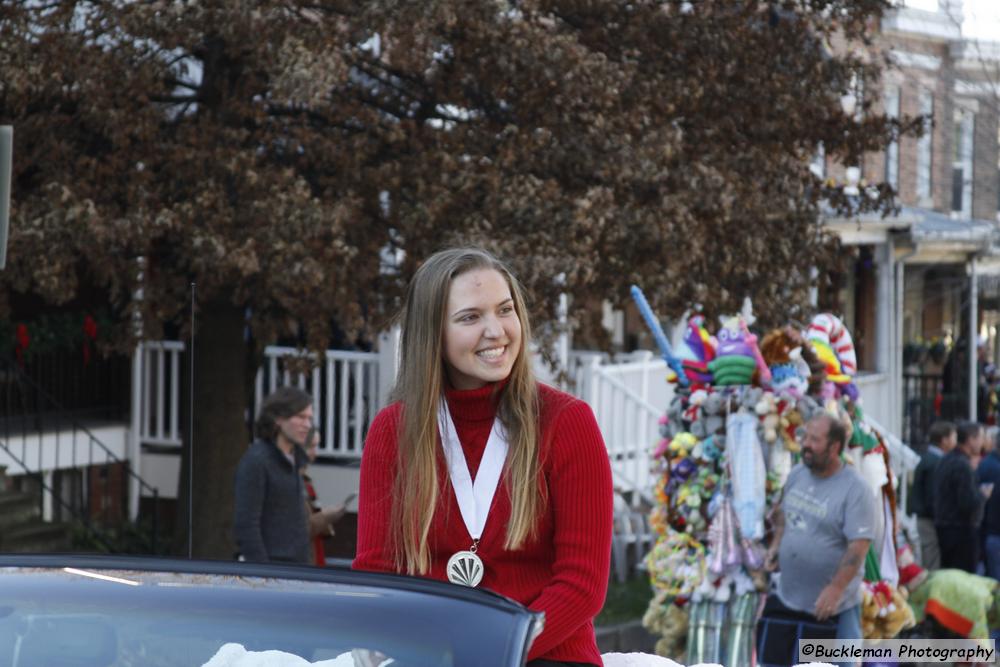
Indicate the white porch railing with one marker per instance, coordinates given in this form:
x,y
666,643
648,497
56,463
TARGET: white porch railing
x,y
628,395
345,389
158,393
628,398
876,399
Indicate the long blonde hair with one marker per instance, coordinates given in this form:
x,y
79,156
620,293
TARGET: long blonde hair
x,y
420,388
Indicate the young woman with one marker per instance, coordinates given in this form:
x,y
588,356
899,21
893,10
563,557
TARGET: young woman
x,y
479,475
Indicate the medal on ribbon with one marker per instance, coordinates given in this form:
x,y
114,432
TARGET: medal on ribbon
x,y
465,567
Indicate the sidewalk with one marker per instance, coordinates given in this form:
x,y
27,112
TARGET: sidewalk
x,y
627,637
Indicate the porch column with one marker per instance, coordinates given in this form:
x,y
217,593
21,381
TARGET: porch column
x,y
48,477
898,407
388,363
134,447
885,362
973,339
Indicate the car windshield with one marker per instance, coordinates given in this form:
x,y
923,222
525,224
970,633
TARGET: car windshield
x,y
112,618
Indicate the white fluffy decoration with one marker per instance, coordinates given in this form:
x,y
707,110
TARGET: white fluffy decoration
x,y
235,655
648,660
637,660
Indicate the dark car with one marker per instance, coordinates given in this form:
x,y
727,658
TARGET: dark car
x,y
109,611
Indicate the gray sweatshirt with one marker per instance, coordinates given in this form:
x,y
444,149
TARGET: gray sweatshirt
x,y
271,521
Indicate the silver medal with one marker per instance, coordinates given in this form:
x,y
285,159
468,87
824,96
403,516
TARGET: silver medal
x,y
465,568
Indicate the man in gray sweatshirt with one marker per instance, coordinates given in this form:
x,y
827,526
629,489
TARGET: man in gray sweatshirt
x,y
271,523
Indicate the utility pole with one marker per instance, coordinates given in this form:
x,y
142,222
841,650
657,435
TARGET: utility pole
x,y
6,168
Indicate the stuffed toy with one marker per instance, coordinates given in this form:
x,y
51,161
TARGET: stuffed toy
x,y
789,422
676,564
713,412
787,380
776,347
706,450
661,448
674,417
767,410
681,445
781,350
911,575
884,611
695,350
750,397
869,614
780,461
694,402
732,370
900,617
666,619
736,356
681,468
961,602
709,449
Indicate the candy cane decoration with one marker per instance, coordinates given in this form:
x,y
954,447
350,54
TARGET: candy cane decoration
x,y
829,329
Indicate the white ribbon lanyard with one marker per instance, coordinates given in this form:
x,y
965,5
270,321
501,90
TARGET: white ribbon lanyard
x,y
474,500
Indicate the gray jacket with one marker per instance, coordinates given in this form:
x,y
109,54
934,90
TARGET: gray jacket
x,y
270,520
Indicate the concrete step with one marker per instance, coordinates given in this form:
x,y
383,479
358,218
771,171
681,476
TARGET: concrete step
x,y
17,508
37,537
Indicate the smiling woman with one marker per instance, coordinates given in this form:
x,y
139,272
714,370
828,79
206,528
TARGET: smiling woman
x,y
479,475
482,336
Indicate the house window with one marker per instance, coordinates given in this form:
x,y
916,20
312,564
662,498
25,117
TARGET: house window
x,y
892,151
925,170
961,169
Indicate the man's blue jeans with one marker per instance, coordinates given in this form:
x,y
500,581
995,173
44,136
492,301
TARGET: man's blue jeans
x,y
849,627
992,558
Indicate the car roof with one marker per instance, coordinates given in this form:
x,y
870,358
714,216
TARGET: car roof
x,y
263,605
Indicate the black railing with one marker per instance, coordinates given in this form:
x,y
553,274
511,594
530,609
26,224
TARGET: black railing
x,y
95,391
924,402
90,483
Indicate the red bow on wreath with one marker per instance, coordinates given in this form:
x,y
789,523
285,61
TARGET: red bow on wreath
x,y
21,342
89,335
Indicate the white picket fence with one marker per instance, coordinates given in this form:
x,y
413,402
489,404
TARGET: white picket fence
x,y
628,394
346,390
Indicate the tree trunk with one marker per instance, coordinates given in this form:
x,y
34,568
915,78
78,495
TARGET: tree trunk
x,y
221,391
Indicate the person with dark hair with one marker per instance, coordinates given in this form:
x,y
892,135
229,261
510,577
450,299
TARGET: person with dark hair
x,y
943,437
823,525
987,476
271,521
958,503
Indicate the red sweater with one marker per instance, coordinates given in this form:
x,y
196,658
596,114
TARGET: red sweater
x,y
564,572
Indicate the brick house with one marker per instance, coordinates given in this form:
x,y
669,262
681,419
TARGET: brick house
x,y
930,269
